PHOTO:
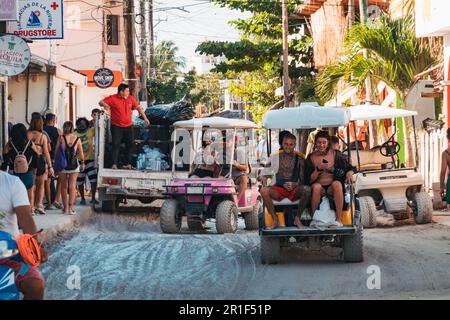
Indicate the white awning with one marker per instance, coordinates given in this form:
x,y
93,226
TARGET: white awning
x,y
377,112
306,117
215,123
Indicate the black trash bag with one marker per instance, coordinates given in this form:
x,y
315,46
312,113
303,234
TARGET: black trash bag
x,y
167,114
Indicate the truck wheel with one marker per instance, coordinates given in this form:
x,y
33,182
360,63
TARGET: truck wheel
x,y
270,250
110,206
226,217
423,208
252,218
353,246
368,212
196,225
170,217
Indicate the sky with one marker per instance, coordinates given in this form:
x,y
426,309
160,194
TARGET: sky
x,y
204,21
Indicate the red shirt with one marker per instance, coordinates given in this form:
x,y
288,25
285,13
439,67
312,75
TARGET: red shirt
x,y
121,109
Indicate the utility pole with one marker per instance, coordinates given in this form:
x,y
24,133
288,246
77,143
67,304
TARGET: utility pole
x,y
129,32
351,13
285,54
363,18
151,51
143,50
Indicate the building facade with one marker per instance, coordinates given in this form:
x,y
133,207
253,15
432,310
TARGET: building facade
x,y
432,20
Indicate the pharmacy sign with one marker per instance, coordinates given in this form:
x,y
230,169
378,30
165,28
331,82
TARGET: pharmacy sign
x,y
40,19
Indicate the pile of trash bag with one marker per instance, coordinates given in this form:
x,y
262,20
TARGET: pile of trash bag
x,y
152,159
167,114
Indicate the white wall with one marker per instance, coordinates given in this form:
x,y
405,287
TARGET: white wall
x,y
89,98
37,99
432,17
424,106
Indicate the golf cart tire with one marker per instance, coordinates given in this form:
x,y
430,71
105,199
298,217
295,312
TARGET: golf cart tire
x,y
196,225
252,218
424,208
169,217
270,250
354,246
368,212
110,206
226,217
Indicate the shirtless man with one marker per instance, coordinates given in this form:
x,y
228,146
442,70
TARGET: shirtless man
x,y
289,180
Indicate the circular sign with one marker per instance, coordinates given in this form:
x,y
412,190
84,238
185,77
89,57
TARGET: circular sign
x,y
103,78
14,55
373,12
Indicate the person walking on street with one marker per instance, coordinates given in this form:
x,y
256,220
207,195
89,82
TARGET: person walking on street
x,y
15,211
53,133
73,151
86,136
94,114
120,107
36,132
18,145
445,169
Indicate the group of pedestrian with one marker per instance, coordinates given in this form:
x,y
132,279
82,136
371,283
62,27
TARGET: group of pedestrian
x,y
51,162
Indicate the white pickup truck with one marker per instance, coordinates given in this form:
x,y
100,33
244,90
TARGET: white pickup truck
x,y
116,185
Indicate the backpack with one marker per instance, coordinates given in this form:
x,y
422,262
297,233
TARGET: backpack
x,y
71,155
21,164
60,160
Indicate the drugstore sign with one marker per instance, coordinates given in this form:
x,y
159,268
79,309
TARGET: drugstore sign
x,y
40,19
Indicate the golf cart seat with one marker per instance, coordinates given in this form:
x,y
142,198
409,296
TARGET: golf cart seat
x,y
286,202
370,159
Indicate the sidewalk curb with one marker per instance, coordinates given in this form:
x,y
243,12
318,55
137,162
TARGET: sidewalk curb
x,y
75,221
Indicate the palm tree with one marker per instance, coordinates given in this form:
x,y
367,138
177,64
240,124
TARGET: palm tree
x,y
395,56
167,63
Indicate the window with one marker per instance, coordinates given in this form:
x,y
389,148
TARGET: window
x,y
112,29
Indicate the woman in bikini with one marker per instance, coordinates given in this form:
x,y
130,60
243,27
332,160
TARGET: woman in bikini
x,y
40,140
68,176
445,168
326,172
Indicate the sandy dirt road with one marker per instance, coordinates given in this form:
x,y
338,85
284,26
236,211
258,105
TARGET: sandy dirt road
x,y
127,257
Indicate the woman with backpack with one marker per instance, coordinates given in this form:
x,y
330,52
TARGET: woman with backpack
x,y
73,150
20,157
44,164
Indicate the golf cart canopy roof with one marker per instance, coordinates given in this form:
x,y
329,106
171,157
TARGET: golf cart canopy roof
x,y
215,123
306,117
377,112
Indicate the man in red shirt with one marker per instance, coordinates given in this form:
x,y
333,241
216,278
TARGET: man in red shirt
x,y
120,106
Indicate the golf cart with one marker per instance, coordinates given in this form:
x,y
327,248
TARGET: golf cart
x,y
200,199
381,182
349,236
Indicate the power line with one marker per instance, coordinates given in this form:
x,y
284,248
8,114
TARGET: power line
x,y
197,34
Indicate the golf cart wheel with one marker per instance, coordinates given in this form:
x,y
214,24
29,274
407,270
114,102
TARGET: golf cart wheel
x,y
110,206
170,217
252,218
196,225
368,212
226,217
354,246
423,212
270,250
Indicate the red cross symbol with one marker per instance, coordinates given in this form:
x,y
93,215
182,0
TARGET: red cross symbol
x,y
54,6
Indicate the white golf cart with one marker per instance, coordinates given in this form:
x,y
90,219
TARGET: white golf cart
x,y
348,237
381,182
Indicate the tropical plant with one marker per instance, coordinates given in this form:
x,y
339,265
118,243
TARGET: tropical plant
x,y
167,62
253,63
395,56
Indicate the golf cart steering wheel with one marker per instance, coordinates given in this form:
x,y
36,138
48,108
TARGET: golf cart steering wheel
x,y
390,148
